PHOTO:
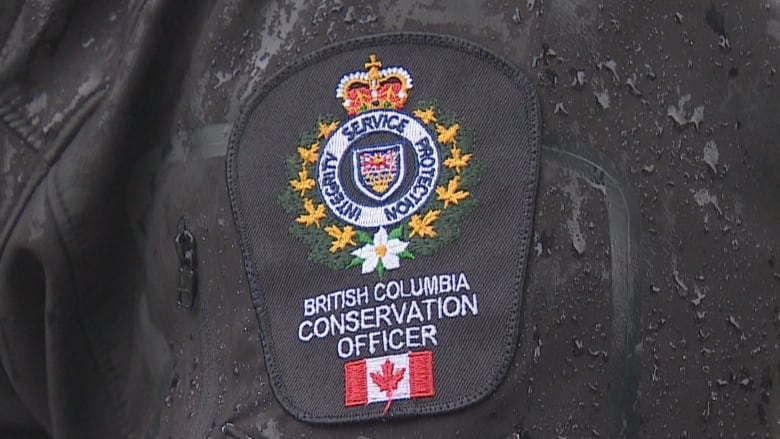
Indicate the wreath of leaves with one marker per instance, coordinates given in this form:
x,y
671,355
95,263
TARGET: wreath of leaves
x,y
444,217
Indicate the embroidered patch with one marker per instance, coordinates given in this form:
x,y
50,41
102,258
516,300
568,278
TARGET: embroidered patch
x,y
388,378
360,203
385,227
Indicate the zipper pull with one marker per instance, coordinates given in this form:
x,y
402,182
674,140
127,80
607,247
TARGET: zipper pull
x,y
185,249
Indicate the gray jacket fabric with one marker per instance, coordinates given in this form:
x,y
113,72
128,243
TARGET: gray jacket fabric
x,y
652,301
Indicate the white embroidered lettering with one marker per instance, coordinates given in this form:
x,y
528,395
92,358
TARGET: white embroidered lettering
x,y
413,337
428,333
463,283
469,304
301,329
414,313
345,347
322,304
394,290
321,327
373,341
451,307
383,315
352,321
395,334
397,339
309,308
367,316
398,316
379,297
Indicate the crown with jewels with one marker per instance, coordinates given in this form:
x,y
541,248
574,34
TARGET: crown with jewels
x,y
374,88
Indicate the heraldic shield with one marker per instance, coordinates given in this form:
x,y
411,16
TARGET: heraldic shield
x,y
378,170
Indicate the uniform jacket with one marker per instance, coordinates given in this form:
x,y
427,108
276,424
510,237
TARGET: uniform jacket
x,y
651,301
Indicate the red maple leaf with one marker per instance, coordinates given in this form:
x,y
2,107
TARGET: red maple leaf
x,y
388,381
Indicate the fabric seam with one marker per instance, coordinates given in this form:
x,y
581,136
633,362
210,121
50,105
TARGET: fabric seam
x,y
54,205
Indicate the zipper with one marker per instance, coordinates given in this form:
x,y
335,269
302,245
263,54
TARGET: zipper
x,y
185,249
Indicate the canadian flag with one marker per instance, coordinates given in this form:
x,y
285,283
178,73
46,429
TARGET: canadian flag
x,y
388,378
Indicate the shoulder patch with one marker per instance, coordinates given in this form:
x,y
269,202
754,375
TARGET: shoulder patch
x,y
385,244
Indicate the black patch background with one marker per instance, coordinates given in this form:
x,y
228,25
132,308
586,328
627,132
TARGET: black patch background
x,y
473,353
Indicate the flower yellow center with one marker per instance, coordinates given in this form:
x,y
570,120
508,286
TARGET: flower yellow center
x,y
381,250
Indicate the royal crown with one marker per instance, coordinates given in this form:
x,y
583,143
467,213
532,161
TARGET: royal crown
x,y
376,87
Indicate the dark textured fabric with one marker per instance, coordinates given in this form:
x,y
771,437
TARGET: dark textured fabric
x,y
658,117
472,353
70,295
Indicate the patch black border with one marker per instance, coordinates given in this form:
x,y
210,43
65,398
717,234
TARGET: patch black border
x,y
410,38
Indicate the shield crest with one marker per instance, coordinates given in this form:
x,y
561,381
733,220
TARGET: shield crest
x,y
378,170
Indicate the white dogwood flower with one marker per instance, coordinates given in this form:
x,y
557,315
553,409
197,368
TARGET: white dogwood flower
x,y
382,251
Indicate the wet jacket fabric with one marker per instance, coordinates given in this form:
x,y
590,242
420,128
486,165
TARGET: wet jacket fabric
x,y
650,305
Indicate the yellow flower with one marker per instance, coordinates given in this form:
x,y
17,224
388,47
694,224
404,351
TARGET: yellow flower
x,y
327,128
342,238
457,161
451,195
313,214
423,227
304,183
447,135
426,116
309,155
